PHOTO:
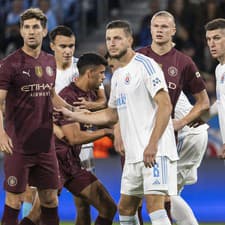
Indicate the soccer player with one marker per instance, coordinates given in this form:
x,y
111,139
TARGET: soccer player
x,y
27,79
140,101
215,36
191,146
73,177
179,70
62,42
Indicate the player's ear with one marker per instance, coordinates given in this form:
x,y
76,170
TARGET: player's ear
x,y
45,32
52,46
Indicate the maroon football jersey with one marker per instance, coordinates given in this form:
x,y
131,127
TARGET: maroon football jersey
x,y
179,70
28,82
71,94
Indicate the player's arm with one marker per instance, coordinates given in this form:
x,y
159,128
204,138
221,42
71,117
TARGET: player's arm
x,y
118,142
58,102
106,116
200,107
5,141
162,117
74,135
100,103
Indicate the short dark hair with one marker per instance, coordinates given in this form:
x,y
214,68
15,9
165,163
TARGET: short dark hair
x,y
90,61
215,24
34,13
125,25
60,30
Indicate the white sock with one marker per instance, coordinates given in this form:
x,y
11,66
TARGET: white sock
x,y
159,217
128,220
137,219
181,211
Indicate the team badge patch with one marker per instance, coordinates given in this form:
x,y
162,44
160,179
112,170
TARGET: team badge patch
x,y
222,78
12,181
172,71
49,71
127,79
38,71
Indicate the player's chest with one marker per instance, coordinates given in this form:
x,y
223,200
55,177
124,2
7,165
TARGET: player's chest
x,y
34,74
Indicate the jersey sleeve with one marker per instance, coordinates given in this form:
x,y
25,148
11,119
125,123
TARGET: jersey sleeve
x,y
112,98
6,72
153,77
193,80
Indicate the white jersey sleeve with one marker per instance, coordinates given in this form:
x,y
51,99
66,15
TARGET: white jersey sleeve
x,y
220,94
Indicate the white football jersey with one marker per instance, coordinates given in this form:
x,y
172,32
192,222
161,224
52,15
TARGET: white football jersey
x,y
220,95
183,107
65,77
133,88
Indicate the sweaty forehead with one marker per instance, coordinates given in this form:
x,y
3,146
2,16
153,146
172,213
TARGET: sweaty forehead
x,y
216,32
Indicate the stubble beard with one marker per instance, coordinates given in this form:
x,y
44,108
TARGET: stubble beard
x,y
120,55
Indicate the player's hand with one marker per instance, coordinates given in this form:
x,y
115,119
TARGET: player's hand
x,y
5,143
222,154
118,142
83,103
177,124
67,114
150,155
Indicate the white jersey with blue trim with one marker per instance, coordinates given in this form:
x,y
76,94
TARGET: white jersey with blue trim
x,y
220,95
65,77
183,107
133,88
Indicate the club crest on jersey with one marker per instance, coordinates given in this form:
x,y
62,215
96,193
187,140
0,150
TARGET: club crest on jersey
x,y
172,71
222,78
38,71
49,71
127,79
12,181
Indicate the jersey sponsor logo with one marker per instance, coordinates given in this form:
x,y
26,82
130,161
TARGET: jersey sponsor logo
x,y
49,71
121,100
172,85
27,73
12,181
197,74
38,71
172,71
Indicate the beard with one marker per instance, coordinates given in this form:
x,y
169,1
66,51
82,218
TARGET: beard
x,y
120,55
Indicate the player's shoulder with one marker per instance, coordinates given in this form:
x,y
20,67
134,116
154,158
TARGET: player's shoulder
x,y
181,56
144,50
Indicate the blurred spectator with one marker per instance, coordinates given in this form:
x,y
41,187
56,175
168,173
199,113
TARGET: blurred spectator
x,y
144,35
45,6
13,39
71,15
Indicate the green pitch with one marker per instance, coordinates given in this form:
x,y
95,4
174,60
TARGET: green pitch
x,y
72,223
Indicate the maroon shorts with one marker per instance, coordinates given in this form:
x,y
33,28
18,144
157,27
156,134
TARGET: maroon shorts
x,y
72,176
38,170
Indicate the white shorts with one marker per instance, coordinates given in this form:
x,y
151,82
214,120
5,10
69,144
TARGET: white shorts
x,y
137,180
191,149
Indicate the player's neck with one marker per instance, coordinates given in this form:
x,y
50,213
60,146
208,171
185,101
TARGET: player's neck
x,y
161,49
127,57
82,83
32,52
221,60
62,66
